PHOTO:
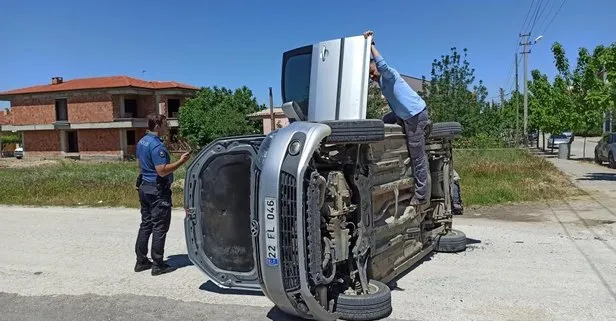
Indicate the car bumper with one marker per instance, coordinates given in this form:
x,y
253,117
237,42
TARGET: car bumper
x,y
281,239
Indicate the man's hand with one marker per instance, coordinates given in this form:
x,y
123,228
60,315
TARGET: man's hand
x,y
368,34
185,157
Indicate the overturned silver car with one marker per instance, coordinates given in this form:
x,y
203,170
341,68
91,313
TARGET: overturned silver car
x,y
315,215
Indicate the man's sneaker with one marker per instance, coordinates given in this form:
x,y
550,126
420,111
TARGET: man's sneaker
x,y
162,269
142,266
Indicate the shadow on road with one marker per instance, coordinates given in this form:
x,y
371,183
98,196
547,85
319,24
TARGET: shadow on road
x,y
179,261
211,287
276,314
611,177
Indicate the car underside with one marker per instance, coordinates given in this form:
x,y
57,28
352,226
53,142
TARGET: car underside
x,y
317,214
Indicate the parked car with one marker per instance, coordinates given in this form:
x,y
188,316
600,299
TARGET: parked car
x,y
316,214
556,139
605,151
18,152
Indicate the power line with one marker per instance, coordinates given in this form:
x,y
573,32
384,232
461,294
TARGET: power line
x,y
553,17
549,8
538,13
532,4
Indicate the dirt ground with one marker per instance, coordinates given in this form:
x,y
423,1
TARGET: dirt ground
x,y
11,162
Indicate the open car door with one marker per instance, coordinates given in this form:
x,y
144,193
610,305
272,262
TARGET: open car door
x,y
217,198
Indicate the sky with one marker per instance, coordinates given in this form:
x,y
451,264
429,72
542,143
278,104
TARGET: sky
x,y
236,43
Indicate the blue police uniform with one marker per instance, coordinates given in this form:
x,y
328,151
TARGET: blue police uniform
x,y
155,199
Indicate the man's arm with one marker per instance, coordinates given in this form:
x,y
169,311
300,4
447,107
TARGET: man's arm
x,y
381,65
160,163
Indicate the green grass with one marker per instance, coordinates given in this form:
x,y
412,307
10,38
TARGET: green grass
x,y
74,183
488,177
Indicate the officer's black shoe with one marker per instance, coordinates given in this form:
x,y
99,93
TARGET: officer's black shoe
x,y
162,269
142,266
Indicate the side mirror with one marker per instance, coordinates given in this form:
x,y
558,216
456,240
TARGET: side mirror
x,y
292,110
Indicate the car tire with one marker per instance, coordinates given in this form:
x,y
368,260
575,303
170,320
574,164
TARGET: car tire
x,y
452,242
446,130
597,159
373,306
355,131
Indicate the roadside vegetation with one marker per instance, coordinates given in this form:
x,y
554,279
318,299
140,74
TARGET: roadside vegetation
x,y
488,177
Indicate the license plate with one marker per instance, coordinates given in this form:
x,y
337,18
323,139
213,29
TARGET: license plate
x,y
271,231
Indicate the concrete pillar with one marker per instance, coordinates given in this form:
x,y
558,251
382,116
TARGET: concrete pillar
x,y
123,144
62,142
122,107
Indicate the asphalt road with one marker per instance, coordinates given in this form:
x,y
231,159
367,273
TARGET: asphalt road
x,y
542,262
549,261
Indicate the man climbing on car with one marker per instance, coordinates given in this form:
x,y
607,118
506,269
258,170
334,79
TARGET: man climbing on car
x,y
411,109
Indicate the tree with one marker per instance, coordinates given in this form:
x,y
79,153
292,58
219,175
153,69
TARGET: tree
x,y
451,95
216,112
376,103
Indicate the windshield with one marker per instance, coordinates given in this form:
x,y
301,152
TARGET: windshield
x,y
296,77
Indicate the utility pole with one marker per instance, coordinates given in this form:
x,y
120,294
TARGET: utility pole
x,y
272,116
524,45
517,101
501,92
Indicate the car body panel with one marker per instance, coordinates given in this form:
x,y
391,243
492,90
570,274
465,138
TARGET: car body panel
x,y
288,169
328,79
606,144
218,221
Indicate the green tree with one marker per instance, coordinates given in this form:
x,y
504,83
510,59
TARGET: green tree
x,y
376,103
452,96
216,112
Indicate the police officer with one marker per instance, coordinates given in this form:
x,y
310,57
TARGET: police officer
x,y
156,176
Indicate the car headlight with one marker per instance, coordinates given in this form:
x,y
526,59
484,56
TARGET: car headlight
x,y
264,148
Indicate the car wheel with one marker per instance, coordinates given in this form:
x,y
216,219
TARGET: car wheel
x,y
453,241
612,162
597,159
372,306
355,131
445,129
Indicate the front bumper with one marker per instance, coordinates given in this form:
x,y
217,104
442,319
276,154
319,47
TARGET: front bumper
x,y
281,242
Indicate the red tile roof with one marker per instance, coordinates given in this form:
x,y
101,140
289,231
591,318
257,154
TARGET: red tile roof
x,y
99,83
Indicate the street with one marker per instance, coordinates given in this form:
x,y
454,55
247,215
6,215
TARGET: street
x,y
552,261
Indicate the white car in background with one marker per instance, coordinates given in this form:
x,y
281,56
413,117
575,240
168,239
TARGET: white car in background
x,y
19,152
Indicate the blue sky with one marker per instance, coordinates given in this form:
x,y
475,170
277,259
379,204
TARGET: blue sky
x,y
237,43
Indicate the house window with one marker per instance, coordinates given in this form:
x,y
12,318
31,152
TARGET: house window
x,y
61,110
173,108
130,108
130,137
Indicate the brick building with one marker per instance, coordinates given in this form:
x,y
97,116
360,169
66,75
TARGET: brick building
x,y
99,117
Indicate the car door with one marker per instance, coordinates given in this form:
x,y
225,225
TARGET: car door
x,y
217,198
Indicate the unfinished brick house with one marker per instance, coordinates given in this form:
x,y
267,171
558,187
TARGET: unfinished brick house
x,y
100,117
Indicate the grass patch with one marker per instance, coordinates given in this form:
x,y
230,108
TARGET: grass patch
x,y
74,183
491,177
488,177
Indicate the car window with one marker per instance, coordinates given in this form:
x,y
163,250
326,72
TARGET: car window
x,y
296,80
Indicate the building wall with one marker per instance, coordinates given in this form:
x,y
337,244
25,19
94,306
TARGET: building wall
x,y
281,121
31,111
99,141
5,117
91,108
43,142
81,109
